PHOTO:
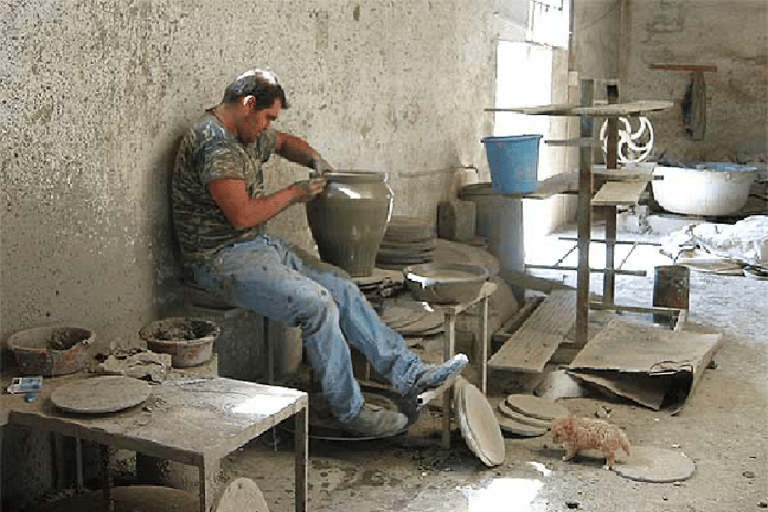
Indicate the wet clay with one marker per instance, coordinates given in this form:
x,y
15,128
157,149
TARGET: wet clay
x,y
349,218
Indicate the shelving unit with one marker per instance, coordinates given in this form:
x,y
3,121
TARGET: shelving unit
x,y
615,188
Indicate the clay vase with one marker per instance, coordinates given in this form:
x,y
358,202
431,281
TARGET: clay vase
x,y
348,220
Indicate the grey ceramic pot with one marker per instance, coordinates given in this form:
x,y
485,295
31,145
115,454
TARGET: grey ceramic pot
x,y
349,218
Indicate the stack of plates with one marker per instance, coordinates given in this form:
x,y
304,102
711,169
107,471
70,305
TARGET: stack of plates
x,y
381,283
478,423
527,415
407,241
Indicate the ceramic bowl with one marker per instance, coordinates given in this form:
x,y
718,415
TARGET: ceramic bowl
x,y
445,283
188,340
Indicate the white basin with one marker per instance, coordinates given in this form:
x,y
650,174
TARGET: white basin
x,y
711,188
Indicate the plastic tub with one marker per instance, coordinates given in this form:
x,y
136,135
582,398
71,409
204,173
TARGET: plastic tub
x,y
707,188
188,340
514,163
51,351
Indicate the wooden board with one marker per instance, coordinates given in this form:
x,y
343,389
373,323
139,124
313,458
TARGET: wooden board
x,y
531,347
564,109
622,109
619,193
630,347
630,360
558,184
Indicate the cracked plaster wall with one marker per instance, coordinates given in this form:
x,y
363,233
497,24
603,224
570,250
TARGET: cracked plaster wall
x,y
730,34
622,38
94,97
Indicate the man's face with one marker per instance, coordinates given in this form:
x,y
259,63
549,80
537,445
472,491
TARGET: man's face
x,y
255,122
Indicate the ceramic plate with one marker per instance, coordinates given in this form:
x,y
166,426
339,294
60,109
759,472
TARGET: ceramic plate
x,y
535,407
479,425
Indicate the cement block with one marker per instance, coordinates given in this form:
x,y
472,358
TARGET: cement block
x,y
456,220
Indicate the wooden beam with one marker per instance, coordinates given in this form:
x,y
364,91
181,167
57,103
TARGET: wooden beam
x,y
684,67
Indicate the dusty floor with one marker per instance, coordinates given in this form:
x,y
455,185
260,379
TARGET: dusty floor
x,y
723,429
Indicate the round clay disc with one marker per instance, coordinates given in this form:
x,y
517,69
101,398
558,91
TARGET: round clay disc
x,y
513,415
535,407
657,465
479,425
519,429
240,496
100,395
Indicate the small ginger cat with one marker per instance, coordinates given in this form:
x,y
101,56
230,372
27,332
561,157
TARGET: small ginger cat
x,y
576,434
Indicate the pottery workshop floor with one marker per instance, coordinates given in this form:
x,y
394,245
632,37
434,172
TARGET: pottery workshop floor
x,y
722,429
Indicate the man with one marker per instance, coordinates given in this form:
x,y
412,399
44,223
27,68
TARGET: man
x,y
220,212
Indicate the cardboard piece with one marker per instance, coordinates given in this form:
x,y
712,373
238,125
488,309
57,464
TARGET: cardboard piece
x,y
644,363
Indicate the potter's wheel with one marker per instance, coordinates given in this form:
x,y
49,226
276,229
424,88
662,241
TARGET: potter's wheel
x,y
324,426
100,395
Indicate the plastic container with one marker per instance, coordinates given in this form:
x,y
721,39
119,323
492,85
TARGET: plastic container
x,y
707,188
51,351
188,340
514,163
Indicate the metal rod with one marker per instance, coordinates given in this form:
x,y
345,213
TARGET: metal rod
x,y
638,273
566,255
602,241
631,250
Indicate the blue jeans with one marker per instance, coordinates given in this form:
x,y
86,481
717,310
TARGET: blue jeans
x,y
282,282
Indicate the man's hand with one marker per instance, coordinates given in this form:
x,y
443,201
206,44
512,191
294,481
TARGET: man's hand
x,y
321,166
307,190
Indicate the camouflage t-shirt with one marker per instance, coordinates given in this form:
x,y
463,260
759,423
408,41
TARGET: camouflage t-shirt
x,y
209,152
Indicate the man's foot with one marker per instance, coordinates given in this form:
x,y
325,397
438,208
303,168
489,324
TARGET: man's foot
x,y
436,376
371,422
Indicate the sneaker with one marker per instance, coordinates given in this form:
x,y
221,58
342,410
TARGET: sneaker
x,y
436,376
372,422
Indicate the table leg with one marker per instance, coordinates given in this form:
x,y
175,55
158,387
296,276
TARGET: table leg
x,y
449,326
203,486
484,340
302,449
107,478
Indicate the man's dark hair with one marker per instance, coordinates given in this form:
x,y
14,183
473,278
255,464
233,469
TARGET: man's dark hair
x,y
262,85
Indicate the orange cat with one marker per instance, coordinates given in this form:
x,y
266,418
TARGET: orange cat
x,y
576,434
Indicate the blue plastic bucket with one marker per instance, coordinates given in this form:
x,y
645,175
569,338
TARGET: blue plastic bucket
x,y
514,163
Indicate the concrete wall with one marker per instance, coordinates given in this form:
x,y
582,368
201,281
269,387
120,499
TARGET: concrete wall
x,y
623,38
730,34
94,97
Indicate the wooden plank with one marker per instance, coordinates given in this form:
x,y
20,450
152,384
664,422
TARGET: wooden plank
x,y
622,109
577,142
632,359
684,67
555,109
558,184
531,346
634,348
566,109
619,193
515,321
529,282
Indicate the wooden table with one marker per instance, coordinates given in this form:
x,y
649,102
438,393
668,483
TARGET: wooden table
x,y
193,421
450,312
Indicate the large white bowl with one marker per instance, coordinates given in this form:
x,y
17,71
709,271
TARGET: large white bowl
x,y
711,188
